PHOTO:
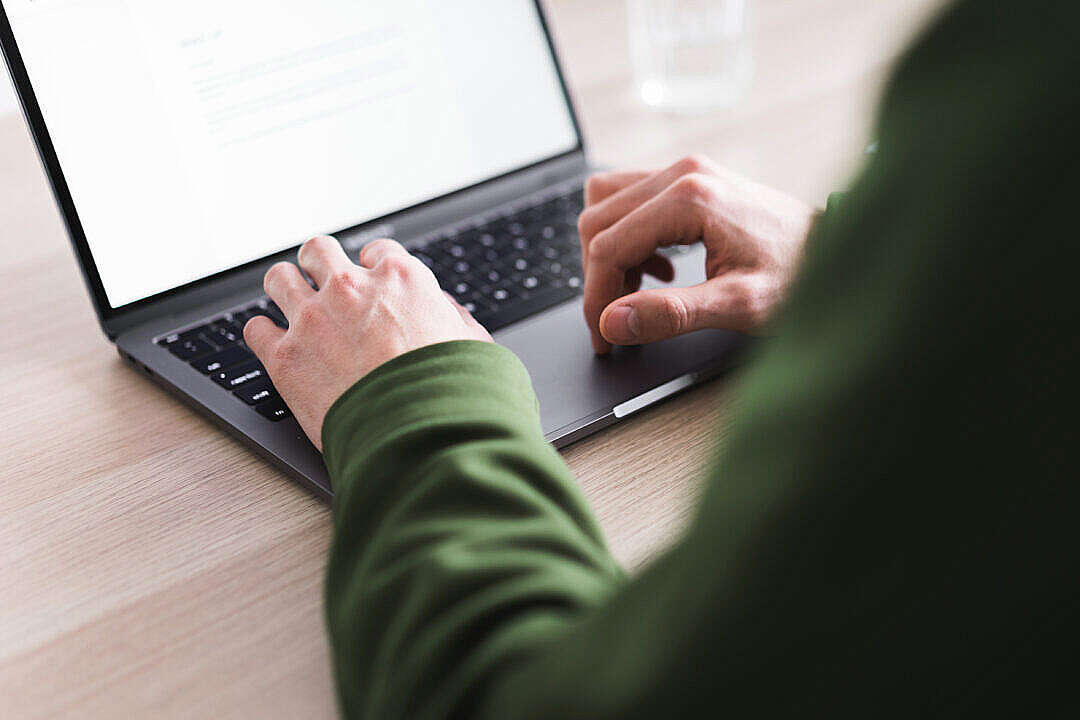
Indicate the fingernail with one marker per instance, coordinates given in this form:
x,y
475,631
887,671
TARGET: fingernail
x,y
622,324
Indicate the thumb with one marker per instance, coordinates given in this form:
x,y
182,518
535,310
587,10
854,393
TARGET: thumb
x,y
652,315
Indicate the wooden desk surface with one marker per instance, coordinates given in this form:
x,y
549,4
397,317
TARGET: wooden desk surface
x,y
150,564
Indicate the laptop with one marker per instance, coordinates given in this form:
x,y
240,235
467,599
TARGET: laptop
x,y
192,145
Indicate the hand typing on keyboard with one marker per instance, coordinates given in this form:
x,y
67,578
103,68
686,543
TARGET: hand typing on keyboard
x,y
753,236
501,267
360,317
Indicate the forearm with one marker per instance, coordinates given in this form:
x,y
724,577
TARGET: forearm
x,y
461,539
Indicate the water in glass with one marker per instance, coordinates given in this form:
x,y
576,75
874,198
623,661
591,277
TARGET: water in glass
x,y
691,54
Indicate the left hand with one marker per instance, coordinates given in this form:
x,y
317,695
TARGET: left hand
x,y
360,317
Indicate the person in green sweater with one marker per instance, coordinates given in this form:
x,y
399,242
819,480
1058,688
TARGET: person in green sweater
x,y
890,530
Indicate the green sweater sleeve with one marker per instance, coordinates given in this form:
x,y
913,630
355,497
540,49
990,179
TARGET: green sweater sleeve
x,y
460,538
888,531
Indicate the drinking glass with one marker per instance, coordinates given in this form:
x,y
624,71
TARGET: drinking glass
x,y
691,54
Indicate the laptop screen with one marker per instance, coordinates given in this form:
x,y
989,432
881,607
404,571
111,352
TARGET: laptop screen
x,y
200,135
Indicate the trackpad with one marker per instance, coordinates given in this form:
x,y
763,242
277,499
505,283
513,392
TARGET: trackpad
x,y
574,385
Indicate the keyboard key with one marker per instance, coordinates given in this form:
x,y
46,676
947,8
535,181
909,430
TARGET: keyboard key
x,y
254,393
512,263
239,375
273,409
192,334
520,309
224,335
222,359
190,349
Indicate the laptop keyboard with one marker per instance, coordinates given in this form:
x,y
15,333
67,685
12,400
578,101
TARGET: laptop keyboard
x,y
514,266
217,350
501,269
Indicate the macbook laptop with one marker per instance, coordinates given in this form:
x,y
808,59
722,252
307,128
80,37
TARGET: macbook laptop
x,y
192,145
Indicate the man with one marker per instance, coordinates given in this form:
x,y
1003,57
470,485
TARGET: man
x,y
888,529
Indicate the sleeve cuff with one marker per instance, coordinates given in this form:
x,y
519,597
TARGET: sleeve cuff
x,y
457,380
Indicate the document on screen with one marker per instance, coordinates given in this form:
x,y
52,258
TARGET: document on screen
x,y
199,135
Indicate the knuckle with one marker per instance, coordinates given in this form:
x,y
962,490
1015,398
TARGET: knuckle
x,y
251,328
694,188
587,224
317,244
375,244
371,247
693,163
342,282
399,266
594,185
276,271
601,249
675,313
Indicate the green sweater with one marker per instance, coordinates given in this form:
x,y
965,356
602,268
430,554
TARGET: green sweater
x,y
887,530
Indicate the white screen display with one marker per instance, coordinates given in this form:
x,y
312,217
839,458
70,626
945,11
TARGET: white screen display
x,y
199,135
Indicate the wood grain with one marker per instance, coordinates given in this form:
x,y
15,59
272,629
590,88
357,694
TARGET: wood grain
x,y
151,565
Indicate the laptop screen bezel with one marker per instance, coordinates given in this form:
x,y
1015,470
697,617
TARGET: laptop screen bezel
x,y
51,164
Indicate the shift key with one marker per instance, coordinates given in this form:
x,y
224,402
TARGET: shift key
x,y
255,392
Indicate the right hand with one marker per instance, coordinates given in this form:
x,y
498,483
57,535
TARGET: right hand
x,y
753,236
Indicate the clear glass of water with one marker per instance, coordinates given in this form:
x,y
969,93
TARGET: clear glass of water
x,y
691,55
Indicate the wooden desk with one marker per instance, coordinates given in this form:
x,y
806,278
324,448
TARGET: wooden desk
x,y
150,565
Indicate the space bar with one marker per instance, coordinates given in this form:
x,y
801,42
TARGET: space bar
x,y
525,307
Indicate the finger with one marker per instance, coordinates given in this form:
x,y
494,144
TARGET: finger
x,y
674,216
322,257
604,214
613,208
377,250
603,185
653,315
287,287
261,335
